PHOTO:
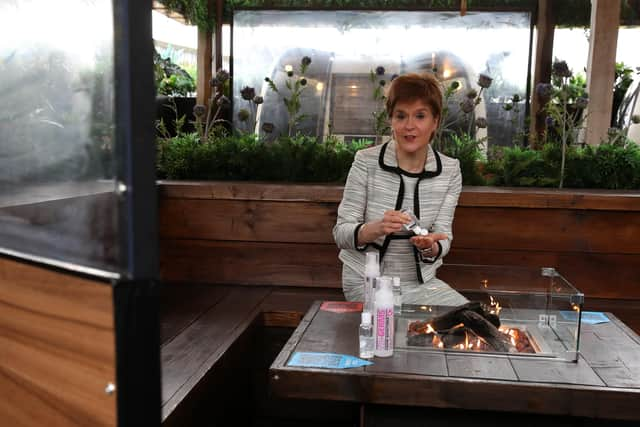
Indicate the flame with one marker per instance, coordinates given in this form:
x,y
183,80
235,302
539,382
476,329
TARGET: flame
x,y
430,329
485,283
494,306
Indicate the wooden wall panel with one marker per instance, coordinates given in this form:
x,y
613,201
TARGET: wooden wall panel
x,y
278,264
556,230
233,233
263,221
57,348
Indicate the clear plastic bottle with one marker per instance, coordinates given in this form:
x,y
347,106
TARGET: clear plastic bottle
x,y
397,296
383,321
367,340
371,273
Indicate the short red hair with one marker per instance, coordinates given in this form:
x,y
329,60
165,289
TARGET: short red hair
x,y
411,87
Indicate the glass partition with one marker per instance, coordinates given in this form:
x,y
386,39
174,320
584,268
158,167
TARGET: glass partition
x,y
515,311
347,48
59,199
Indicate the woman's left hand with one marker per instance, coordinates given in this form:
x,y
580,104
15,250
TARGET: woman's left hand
x,y
429,241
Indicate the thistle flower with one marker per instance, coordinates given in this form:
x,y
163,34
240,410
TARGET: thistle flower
x,y
455,85
267,79
561,69
243,115
306,61
258,100
471,93
289,73
481,123
393,77
199,110
549,121
382,83
484,81
267,127
515,97
582,102
467,105
544,90
380,70
222,75
635,119
303,82
247,93
507,107
612,131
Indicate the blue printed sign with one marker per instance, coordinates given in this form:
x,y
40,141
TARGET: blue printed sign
x,y
326,360
588,317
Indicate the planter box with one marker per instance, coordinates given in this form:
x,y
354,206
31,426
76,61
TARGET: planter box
x,y
252,233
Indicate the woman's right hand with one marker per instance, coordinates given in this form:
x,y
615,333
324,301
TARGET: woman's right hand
x,y
392,222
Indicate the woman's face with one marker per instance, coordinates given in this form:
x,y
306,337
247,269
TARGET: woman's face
x,y
413,124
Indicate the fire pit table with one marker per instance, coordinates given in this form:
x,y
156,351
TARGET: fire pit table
x,y
542,355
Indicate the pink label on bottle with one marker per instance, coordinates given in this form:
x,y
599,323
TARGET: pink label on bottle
x,y
384,329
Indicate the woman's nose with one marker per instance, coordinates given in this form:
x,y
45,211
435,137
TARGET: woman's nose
x,y
409,123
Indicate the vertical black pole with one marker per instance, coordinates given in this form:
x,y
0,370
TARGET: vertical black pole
x,y
135,296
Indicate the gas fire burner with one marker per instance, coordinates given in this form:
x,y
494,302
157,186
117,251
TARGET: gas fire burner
x,y
512,311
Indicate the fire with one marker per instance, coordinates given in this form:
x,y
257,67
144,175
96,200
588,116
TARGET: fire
x,y
494,306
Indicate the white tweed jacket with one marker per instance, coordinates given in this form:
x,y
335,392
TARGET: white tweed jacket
x,y
374,185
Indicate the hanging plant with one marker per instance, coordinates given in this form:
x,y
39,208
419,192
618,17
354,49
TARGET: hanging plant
x,y
194,12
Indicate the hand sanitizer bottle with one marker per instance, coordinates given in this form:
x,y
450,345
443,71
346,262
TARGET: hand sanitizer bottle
x,y
367,341
371,273
397,297
383,321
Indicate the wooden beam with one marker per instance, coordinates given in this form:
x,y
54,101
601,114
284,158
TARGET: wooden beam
x,y
218,38
605,20
204,60
545,26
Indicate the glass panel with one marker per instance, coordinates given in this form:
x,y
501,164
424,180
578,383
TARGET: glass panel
x,y
346,46
57,198
520,312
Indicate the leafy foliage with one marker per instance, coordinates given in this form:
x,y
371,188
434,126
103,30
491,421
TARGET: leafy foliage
x,y
244,157
609,166
171,79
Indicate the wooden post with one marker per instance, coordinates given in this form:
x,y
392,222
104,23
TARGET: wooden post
x,y
605,20
545,25
205,57
218,37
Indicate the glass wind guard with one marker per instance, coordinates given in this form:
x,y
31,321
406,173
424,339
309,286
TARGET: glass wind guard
x,y
57,190
511,311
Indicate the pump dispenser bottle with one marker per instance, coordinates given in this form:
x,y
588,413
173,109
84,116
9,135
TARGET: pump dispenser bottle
x,y
367,340
383,318
371,273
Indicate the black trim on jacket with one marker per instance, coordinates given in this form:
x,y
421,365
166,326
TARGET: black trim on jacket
x,y
416,205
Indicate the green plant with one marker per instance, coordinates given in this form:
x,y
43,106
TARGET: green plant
x,y
171,79
295,86
243,156
469,153
564,100
380,118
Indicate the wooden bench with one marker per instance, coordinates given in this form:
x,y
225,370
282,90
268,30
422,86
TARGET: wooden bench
x,y
207,337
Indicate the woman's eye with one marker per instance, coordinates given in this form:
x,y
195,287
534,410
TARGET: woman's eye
x,y
420,116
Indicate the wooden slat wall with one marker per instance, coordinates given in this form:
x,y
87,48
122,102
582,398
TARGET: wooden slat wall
x,y
57,349
273,234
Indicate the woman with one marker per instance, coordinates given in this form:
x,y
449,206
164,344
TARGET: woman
x,y
405,172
